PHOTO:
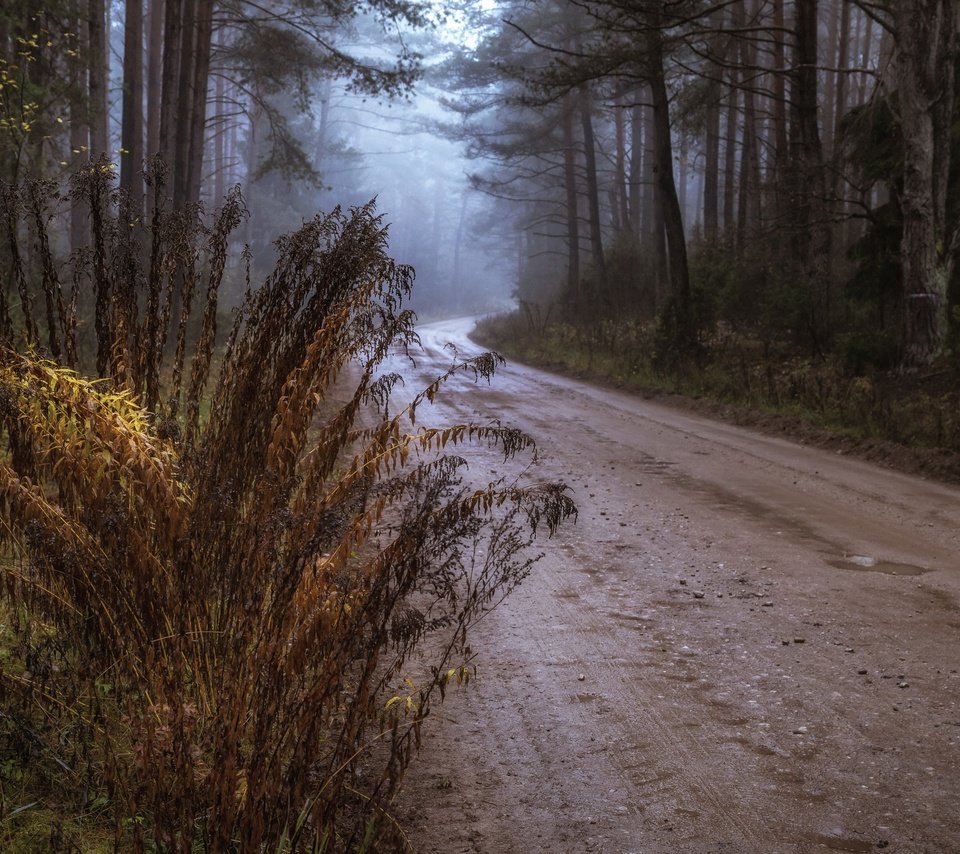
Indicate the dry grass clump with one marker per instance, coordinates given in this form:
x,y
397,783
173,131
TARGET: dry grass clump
x,y
211,612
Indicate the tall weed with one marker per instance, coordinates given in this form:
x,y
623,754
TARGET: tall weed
x,y
219,612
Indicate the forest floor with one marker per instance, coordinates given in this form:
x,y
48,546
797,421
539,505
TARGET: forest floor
x,y
745,644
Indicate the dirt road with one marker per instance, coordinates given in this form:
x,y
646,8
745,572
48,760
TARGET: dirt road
x,y
744,645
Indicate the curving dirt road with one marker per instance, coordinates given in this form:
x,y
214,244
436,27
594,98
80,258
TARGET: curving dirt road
x,y
744,645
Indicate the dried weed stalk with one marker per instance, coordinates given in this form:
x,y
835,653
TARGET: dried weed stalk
x,y
217,609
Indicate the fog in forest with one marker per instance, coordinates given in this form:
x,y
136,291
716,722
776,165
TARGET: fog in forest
x,y
694,169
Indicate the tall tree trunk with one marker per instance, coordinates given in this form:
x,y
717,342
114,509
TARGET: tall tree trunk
x,y
840,108
593,187
220,144
828,57
621,169
683,170
198,113
185,102
570,184
926,47
97,52
730,143
782,148
672,216
843,62
866,47
636,169
155,16
131,132
749,198
323,128
653,234
155,13
79,128
458,285
170,82
810,233
711,166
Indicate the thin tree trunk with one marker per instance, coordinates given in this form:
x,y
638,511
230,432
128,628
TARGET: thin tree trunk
x,y
131,136
843,61
730,144
220,145
155,10
170,82
711,166
840,108
593,191
198,112
621,167
185,102
748,210
457,247
926,45
782,149
79,129
672,216
867,42
828,57
636,169
653,235
570,183
97,50
155,16
811,231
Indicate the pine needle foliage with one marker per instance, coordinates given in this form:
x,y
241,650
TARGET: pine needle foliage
x,y
217,610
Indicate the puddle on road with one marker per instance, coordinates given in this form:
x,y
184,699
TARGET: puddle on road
x,y
867,563
840,843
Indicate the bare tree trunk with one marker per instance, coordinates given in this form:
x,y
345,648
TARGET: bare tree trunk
x,y
636,169
926,44
570,183
220,144
843,60
683,159
593,190
198,111
828,57
782,148
840,109
672,216
711,166
155,15
654,238
185,102
748,209
79,129
155,10
810,233
323,129
730,142
621,168
457,247
97,48
170,82
131,134
867,41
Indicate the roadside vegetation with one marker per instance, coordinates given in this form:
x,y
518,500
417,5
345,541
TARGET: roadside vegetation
x,y
235,575
755,202
840,392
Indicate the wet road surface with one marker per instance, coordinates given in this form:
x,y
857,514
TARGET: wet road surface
x,y
743,645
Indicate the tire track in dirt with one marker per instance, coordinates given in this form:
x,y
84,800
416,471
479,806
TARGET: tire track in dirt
x,y
742,682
